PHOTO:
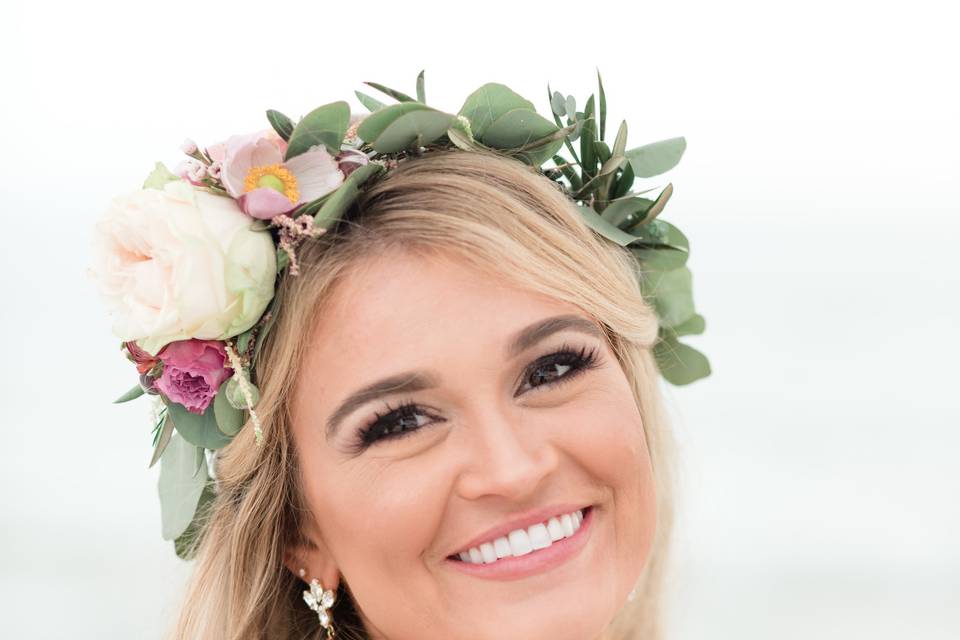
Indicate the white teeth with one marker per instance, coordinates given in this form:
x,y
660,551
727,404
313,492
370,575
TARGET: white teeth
x,y
539,538
489,555
520,542
554,529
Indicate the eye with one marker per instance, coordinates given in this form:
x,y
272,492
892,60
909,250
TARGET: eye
x,y
553,369
395,423
559,367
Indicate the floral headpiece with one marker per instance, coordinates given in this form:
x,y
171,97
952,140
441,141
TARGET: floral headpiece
x,y
188,264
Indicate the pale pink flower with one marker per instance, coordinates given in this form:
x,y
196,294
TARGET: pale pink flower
x,y
264,184
189,147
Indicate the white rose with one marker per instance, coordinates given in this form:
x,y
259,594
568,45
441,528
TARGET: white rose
x,y
179,263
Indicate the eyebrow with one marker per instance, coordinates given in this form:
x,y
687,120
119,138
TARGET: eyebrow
x,y
411,381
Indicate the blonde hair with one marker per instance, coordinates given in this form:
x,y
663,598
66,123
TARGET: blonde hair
x,y
496,213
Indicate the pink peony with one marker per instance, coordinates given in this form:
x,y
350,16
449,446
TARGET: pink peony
x,y
264,184
193,370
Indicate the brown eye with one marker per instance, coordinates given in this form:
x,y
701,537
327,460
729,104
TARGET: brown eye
x,y
559,366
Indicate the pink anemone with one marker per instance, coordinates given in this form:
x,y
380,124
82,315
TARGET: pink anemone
x,y
264,184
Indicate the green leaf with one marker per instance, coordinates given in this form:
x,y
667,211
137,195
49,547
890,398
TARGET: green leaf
x,y
372,104
671,293
229,420
604,228
657,157
569,173
280,123
680,364
488,103
198,430
283,259
659,258
345,194
393,93
620,142
185,543
463,140
179,486
588,135
159,177
603,108
557,103
413,130
376,123
694,326
659,233
627,213
421,95
165,432
624,182
326,125
602,150
658,205
134,393
532,135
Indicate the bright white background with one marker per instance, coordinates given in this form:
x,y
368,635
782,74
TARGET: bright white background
x,y
819,191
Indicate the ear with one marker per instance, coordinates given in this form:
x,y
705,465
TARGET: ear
x,y
314,558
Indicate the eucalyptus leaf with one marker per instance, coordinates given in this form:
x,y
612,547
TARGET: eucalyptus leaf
x,y
159,177
165,432
372,104
133,394
185,544
345,194
660,233
569,173
527,131
602,150
375,123
229,419
198,430
463,140
280,123
657,157
557,103
571,107
604,228
179,486
627,213
421,93
658,206
694,326
413,130
199,460
393,93
283,259
659,258
671,293
620,142
326,125
488,103
679,363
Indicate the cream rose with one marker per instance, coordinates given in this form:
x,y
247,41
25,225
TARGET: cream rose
x,y
179,263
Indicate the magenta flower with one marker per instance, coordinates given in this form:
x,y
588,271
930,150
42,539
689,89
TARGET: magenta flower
x,y
264,184
193,371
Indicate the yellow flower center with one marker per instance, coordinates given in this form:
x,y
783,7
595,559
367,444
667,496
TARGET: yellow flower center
x,y
274,176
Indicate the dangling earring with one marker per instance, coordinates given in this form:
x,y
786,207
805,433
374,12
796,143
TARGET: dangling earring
x,y
320,600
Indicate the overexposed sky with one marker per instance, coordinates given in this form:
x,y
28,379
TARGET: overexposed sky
x,y
819,191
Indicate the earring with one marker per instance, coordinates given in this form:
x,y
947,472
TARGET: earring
x,y
320,600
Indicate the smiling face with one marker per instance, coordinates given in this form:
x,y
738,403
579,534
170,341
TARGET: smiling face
x,y
510,410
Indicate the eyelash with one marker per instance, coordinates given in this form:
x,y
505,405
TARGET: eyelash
x,y
378,428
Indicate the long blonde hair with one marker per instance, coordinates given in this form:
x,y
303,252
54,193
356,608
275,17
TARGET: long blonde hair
x,y
497,213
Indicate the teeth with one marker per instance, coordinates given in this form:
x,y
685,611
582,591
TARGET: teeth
x,y
520,542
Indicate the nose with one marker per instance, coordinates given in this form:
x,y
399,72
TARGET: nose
x,y
504,456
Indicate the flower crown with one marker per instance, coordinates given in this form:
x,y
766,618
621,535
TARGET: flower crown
x,y
188,264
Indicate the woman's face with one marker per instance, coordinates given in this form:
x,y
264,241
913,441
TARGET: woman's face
x,y
441,410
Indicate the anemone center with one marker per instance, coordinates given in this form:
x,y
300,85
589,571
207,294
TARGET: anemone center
x,y
274,176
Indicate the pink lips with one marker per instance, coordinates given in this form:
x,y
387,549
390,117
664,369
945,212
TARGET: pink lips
x,y
537,561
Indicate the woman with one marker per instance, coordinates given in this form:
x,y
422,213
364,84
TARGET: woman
x,y
462,428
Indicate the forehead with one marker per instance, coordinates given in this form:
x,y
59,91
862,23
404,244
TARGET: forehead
x,y
402,309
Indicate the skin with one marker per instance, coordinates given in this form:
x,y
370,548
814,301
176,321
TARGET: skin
x,y
385,519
